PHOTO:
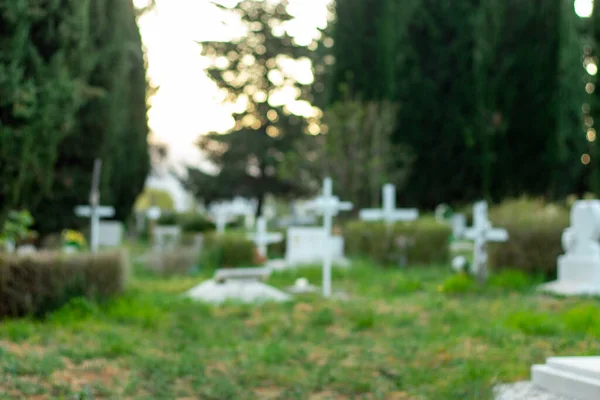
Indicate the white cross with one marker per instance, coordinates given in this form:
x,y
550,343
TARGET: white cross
x,y
221,213
389,213
262,238
328,206
481,233
94,211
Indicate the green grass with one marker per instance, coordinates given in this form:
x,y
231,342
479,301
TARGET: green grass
x,y
404,334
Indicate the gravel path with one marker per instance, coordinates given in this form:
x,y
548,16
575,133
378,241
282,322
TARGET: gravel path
x,y
524,391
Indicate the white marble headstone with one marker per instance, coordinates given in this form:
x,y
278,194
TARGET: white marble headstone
x,y
307,245
579,267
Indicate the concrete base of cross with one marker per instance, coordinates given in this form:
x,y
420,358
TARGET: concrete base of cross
x,y
576,377
577,276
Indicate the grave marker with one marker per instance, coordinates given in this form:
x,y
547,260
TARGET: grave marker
x,y
389,213
328,206
262,238
94,211
221,214
481,233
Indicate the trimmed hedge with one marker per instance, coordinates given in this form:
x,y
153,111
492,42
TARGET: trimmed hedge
x,y
228,251
194,223
36,284
535,229
421,242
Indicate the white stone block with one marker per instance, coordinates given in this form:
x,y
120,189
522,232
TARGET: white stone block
x,y
110,234
307,245
577,377
238,291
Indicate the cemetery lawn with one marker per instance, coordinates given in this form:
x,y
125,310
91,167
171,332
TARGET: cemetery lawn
x,y
398,337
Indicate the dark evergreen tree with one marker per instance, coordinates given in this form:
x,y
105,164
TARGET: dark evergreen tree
x,y
249,70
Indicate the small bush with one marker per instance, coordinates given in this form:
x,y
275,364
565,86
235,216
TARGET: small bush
x,y
421,242
534,323
167,219
535,229
584,319
511,280
228,251
459,284
180,261
38,283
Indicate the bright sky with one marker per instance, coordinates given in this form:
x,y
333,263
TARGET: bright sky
x,y
187,103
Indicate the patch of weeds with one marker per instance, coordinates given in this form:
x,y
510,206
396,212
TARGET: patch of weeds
x,y
363,319
273,353
17,330
115,344
132,311
29,387
459,284
511,280
34,364
404,286
323,317
75,311
584,319
534,324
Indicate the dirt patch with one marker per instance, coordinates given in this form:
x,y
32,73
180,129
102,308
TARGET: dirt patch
x,y
90,372
267,393
20,349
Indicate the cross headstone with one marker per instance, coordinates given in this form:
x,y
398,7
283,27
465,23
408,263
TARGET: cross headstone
x,y
94,211
389,213
221,213
328,206
262,238
481,233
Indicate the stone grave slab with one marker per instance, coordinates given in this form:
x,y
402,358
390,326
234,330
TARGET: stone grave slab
x,y
110,234
238,285
576,377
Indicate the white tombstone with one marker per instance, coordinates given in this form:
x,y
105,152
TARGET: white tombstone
x,y
166,237
94,213
579,267
328,206
110,233
309,245
245,208
389,213
459,225
262,238
481,233
572,377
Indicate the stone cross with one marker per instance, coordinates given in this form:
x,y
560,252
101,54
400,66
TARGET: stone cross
x,y
481,233
389,213
328,206
222,213
262,238
94,211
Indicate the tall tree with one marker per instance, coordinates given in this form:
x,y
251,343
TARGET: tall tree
x,y
253,72
76,91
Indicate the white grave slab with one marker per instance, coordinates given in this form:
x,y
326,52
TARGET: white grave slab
x,y
308,245
481,233
166,237
576,377
389,213
110,233
262,238
240,285
579,267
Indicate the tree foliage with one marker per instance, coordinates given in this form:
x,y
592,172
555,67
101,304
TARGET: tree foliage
x,y
72,88
486,90
253,72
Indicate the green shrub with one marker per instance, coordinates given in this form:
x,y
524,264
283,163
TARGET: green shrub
x,y
584,319
535,229
511,280
194,223
228,251
534,323
38,283
180,261
421,242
